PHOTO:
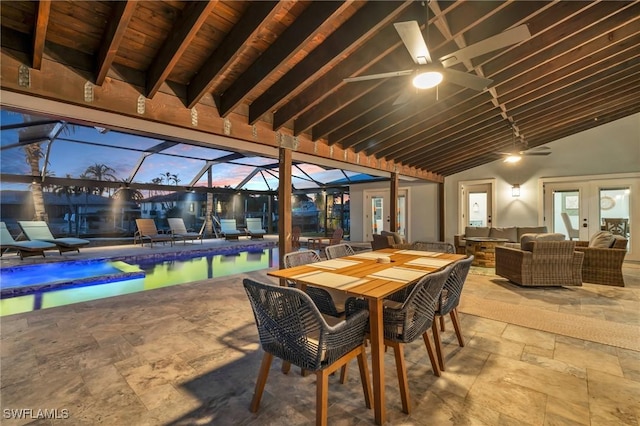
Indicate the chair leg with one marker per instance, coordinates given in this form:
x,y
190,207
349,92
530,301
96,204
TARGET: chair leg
x,y
322,397
438,344
365,377
262,380
456,325
401,369
442,323
286,367
343,374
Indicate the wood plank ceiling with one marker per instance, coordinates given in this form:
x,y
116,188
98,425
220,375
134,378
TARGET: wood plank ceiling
x,y
282,65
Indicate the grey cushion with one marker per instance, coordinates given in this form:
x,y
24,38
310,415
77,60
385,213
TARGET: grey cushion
x,y
397,239
530,230
476,231
527,240
602,239
510,233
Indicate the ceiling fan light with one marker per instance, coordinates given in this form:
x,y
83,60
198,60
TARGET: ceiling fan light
x,y
427,80
512,158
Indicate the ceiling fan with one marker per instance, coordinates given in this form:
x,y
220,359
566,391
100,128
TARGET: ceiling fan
x,y
516,155
429,73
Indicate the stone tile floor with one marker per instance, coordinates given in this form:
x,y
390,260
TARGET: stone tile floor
x,y
189,355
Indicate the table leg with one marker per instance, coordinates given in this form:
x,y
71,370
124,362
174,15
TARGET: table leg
x,y
377,359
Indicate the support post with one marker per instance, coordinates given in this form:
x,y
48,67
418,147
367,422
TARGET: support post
x,y
393,203
284,203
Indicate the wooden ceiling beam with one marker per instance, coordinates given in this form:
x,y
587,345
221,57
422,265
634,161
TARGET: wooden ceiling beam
x,y
305,27
430,153
420,108
180,37
600,39
385,117
116,28
427,125
569,75
572,97
543,34
368,55
361,105
341,43
415,143
458,152
40,32
228,51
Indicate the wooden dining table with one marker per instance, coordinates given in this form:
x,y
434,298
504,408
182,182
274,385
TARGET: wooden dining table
x,y
372,275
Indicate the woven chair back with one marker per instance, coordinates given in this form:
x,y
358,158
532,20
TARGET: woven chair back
x,y
416,314
338,250
291,327
437,246
450,295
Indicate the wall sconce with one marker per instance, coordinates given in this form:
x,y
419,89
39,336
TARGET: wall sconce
x,y
475,208
515,190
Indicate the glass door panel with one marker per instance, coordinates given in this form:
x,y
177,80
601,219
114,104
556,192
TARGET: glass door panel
x,y
377,214
401,220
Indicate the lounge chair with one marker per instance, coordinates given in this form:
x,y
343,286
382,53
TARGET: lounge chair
x,y
147,230
179,230
24,248
229,229
254,228
38,230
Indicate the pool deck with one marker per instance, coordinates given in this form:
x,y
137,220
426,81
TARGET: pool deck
x,y
189,354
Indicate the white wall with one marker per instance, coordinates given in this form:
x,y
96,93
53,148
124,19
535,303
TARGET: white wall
x,y
422,222
611,148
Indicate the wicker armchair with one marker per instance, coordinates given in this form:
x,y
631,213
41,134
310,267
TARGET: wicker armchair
x,y
603,265
549,263
293,329
448,304
338,250
328,303
404,322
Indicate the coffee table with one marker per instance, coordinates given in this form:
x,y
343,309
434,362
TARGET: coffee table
x,y
483,250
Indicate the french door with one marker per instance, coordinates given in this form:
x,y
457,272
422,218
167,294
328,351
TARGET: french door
x,y
588,203
477,199
377,213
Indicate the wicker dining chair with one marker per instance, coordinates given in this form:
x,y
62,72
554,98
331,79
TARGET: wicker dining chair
x,y
437,246
328,303
338,250
404,322
448,304
291,328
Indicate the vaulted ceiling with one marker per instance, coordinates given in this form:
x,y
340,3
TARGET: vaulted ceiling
x,y
273,72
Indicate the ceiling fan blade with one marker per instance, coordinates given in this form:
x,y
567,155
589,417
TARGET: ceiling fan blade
x,y
404,97
498,41
539,148
466,80
378,76
414,42
536,153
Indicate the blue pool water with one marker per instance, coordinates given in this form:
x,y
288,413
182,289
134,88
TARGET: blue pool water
x,y
33,287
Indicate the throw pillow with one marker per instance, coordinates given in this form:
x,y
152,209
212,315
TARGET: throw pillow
x,y
509,233
476,231
397,239
526,242
602,239
531,230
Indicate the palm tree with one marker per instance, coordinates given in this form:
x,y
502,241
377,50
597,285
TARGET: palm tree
x,y
100,172
69,191
33,154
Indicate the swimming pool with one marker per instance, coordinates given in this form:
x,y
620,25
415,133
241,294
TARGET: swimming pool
x,y
30,288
